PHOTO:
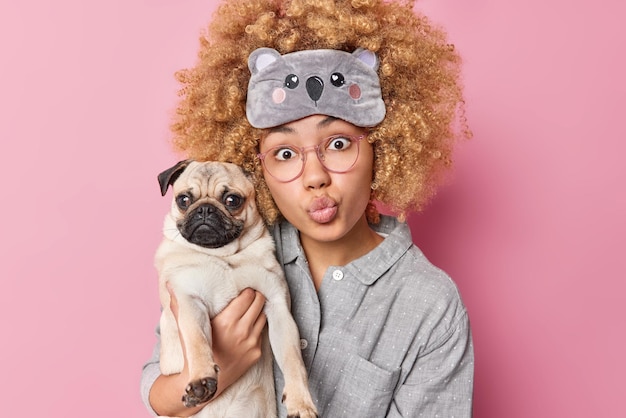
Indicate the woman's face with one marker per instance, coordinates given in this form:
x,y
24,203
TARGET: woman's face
x,y
324,206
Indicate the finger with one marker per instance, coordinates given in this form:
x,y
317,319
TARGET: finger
x,y
174,309
255,309
259,324
237,307
173,300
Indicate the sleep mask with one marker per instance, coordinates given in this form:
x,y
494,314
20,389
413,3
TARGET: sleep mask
x,y
285,88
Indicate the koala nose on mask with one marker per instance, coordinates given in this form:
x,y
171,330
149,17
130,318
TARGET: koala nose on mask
x,y
315,87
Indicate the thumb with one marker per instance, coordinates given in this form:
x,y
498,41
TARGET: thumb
x,y
173,300
174,309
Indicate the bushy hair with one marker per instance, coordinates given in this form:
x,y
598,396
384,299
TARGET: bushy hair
x,y
419,76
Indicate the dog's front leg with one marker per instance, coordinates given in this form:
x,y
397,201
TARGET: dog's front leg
x,y
195,330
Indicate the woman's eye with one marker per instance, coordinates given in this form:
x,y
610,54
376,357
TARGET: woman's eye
x,y
339,143
285,154
183,201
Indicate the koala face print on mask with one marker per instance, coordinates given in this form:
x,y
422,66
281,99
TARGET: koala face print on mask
x,y
284,88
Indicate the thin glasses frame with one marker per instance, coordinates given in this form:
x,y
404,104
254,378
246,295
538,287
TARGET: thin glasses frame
x,y
356,139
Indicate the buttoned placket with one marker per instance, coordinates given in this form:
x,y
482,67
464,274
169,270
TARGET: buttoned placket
x,y
337,274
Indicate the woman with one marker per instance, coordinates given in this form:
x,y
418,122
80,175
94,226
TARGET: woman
x,y
384,332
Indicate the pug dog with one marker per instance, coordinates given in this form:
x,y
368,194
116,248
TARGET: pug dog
x,y
215,245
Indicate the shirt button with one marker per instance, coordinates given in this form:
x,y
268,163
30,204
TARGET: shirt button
x,y
337,274
303,344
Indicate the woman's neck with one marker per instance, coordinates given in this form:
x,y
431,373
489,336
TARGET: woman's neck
x,y
322,254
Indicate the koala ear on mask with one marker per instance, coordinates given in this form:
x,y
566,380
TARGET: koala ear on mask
x,y
367,57
261,58
169,176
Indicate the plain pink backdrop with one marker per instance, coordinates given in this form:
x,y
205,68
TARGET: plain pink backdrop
x,y
531,226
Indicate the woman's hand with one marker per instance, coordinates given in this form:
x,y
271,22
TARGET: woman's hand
x,y
237,336
236,333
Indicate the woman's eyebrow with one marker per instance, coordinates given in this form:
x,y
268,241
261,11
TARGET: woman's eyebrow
x,y
281,129
289,130
326,121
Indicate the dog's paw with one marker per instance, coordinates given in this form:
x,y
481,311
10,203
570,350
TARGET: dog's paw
x,y
303,414
299,409
199,391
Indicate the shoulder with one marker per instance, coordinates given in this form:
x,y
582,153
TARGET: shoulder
x,y
286,241
426,278
408,265
420,286
418,277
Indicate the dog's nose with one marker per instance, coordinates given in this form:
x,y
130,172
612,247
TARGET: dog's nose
x,y
205,211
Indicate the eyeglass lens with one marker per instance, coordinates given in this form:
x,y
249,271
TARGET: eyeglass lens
x,y
337,154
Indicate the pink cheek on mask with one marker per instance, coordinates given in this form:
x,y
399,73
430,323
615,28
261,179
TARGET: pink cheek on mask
x,y
355,91
278,96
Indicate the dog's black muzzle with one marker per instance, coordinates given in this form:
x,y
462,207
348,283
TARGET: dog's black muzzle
x,y
209,227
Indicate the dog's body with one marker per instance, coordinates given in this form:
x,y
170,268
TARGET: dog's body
x,y
216,245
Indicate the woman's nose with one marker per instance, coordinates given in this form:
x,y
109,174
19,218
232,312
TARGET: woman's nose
x,y
315,175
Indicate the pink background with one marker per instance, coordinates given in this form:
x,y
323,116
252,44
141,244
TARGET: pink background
x,y
531,225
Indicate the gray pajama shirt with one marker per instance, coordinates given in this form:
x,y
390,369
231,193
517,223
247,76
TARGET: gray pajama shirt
x,y
387,335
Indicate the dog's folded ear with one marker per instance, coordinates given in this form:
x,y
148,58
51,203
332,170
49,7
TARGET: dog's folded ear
x,y
169,176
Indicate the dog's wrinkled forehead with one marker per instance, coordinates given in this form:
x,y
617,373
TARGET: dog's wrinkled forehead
x,y
212,179
285,88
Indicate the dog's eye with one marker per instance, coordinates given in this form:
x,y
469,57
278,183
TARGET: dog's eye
x,y
183,201
233,201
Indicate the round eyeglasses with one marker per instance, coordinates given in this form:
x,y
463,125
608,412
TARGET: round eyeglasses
x,y
337,153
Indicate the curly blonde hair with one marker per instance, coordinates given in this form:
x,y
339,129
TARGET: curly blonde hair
x,y
419,76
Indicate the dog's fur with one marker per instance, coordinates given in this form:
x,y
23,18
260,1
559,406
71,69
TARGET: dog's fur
x,y
215,245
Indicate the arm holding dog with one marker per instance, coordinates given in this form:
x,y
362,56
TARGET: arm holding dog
x,y
215,245
236,341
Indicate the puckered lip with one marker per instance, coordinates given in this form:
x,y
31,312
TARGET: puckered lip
x,y
322,210
321,203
